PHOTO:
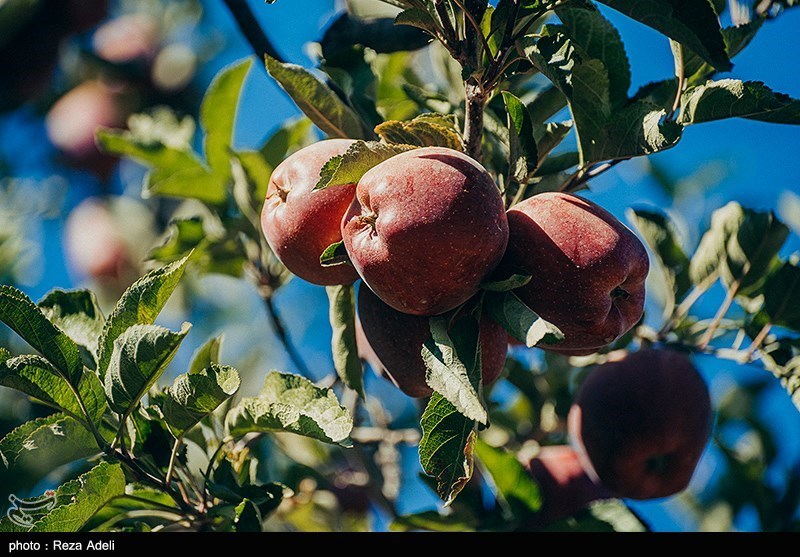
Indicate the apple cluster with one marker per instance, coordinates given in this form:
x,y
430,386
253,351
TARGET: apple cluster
x,y
426,228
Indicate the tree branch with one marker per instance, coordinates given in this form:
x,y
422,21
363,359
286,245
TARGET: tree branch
x,y
473,120
283,336
251,29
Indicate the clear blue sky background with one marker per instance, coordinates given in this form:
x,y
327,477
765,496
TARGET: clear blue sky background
x,y
748,161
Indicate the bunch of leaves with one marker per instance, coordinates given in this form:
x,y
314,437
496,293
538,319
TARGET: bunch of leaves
x,y
99,376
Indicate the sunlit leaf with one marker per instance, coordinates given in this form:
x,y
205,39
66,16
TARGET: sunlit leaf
x,y
139,305
24,318
447,447
292,403
77,501
78,314
361,156
140,356
316,100
731,98
193,396
452,357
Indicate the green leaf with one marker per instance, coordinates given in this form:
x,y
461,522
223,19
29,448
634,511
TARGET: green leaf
x,y
591,107
638,129
731,98
550,136
42,445
447,446
218,116
608,515
546,104
78,500
692,23
736,39
453,365
661,236
506,284
418,18
78,314
290,137
334,254
140,356
425,130
256,172
355,162
139,305
658,93
603,133
193,396
705,263
521,322
782,296
343,339
752,249
740,247
352,73
523,152
600,40
247,517
510,478
24,318
173,172
206,355
34,376
216,251
316,100
292,403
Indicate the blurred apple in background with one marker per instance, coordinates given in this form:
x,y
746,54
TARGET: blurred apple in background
x,y
74,119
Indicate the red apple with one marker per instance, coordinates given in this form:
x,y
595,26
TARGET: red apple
x,y
74,119
300,223
394,344
588,269
641,424
564,485
93,244
127,38
425,229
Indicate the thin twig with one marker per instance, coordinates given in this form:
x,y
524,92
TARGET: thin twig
x,y
251,29
173,455
284,338
723,309
448,32
756,344
475,26
580,178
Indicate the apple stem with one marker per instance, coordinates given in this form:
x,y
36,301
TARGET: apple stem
x,y
723,309
369,219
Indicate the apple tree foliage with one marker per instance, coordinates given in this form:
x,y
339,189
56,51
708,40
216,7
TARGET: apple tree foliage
x,y
540,92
